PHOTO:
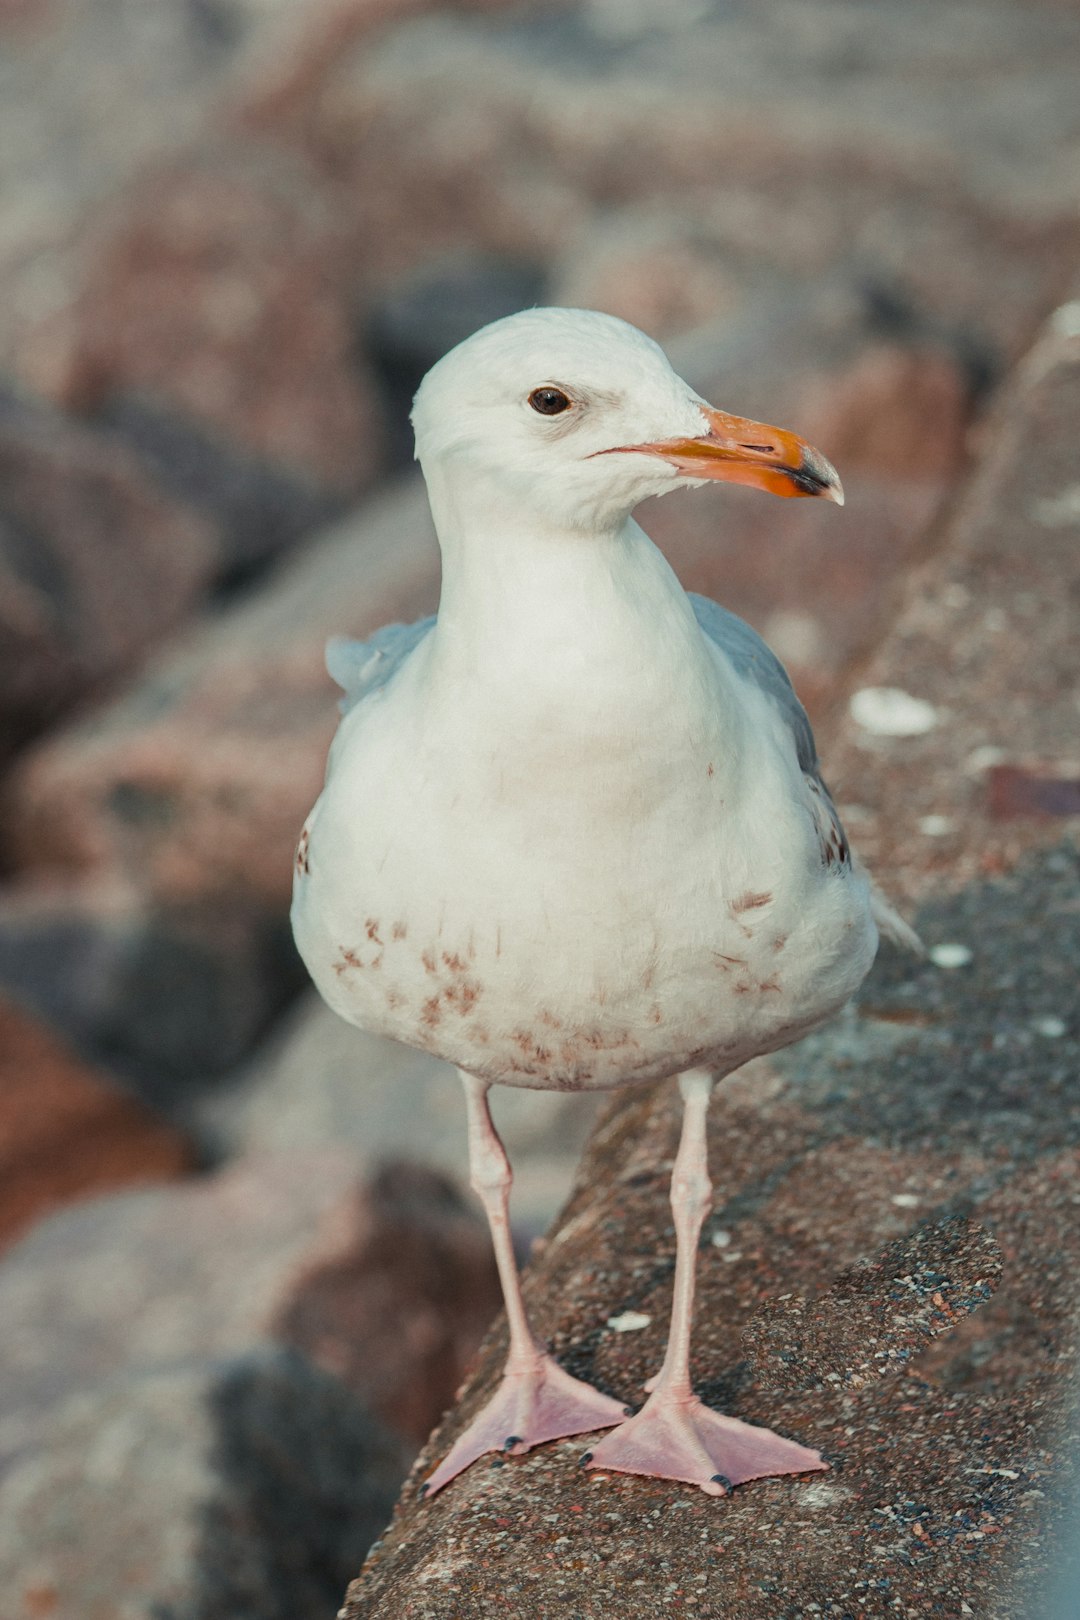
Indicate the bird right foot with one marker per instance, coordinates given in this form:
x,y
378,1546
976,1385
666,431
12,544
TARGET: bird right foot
x,y
535,1402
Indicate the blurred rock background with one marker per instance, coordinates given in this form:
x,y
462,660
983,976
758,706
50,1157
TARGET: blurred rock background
x,y
242,1278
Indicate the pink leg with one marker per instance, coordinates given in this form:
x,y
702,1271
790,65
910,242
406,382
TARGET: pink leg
x,y
536,1400
674,1436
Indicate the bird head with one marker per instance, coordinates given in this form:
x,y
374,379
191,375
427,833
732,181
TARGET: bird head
x,y
578,417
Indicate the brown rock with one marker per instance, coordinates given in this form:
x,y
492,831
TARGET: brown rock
x,y
96,564
219,287
88,100
65,1132
396,1295
660,270
196,784
156,1277
386,1286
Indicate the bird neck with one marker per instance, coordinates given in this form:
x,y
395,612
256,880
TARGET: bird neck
x,y
522,594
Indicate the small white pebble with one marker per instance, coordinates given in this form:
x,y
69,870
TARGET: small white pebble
x,y
936,826
887,711
1059,511
1065,321
730,1255
950,955
796,637
982,759
905,1200
1052,1028
629,1322
721,1240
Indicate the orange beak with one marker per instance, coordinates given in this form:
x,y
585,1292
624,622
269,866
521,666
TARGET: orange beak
x,y
743,452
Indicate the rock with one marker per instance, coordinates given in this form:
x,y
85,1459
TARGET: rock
x,y
995,617
66,1132
96,565
379,1273
68,68
418,319
173,814
155,1278
660,269
164,995
396,1294
156,790
318,1082
803,144
206,1491
218,290
257,508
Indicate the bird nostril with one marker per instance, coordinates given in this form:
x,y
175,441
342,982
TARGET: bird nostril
x,y
766,449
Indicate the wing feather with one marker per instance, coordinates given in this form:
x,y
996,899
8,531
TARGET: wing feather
x,y
361,667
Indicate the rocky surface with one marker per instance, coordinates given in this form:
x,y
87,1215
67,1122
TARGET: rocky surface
x,y
871,1183
221,296
167,996
66,1132
802,138
236,234
380,1275
96,565
174,813
202,1491
197,783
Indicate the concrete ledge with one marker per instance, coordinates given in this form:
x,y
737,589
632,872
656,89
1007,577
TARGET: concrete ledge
x,y
889,1270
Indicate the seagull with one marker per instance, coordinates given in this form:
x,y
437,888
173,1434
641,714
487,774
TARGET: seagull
x,y
574,834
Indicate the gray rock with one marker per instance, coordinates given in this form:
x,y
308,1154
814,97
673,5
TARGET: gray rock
x,y
430,311
144,1280
96,564
159,994
242,1489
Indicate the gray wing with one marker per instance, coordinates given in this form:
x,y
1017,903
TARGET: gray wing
x,y
754,661
361,667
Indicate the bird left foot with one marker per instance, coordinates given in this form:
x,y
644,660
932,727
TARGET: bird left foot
x,y
536,1401
676,1437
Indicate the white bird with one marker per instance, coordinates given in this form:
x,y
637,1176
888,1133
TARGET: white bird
x,y
573,833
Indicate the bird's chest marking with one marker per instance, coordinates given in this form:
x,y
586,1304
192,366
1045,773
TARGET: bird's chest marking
x,y
445,983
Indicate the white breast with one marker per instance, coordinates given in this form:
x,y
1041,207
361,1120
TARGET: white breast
x,y
578,887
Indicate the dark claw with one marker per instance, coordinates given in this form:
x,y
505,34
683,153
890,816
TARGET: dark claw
x,y
586,1459
722,1479
421,1490
628,1411
511,1441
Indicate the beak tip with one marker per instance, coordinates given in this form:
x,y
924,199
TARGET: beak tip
x,y
836,493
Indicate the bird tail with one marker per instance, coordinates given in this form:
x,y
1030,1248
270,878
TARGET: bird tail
x,y
891,925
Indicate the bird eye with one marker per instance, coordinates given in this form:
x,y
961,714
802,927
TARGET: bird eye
x,y
549,401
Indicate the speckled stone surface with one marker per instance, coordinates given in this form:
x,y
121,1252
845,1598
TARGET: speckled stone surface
x,y
890,1269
